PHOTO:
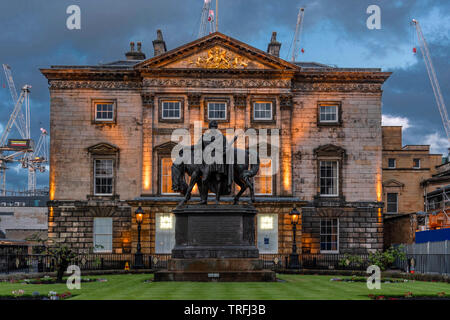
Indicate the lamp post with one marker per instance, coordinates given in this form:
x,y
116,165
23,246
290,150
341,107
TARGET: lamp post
x,y
293,257
138,259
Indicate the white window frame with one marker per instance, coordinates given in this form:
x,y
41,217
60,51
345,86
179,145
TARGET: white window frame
x,y
329,105
395,163
95,234
414,166
162,178
107,177
387,202
112,104
337,236
261,103
171,101
337,178
217,102
258,175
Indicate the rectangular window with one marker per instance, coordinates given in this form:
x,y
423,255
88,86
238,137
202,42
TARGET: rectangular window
x,y
391,163
267,233
104,112
263,180
416,163
165,233
103,235
392,203
171,110
328,114
262,111
166,176
103,177
217,111
329,236
329,178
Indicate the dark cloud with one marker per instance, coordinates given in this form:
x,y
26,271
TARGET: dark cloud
x,y
33,35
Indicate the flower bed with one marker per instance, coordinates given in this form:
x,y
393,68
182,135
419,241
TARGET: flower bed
x,y
411,296
362,279
49,280
22,295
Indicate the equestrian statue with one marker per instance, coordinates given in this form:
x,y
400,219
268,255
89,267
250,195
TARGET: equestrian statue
x,y
216,177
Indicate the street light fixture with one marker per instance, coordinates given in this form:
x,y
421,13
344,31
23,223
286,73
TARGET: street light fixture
x,y
293,257
138,258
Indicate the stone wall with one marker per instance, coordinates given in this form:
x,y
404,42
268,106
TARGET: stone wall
x,y
152,208
73,131
18,223
72,223
360,228
359,135
400,229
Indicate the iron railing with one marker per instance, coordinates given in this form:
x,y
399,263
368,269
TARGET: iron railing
x,y
29,263
38,263
426,263
316,262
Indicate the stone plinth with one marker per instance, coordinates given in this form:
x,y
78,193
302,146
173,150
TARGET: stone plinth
x,y
215,231
215,243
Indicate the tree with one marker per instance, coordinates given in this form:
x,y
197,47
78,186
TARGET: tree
x,y
62,255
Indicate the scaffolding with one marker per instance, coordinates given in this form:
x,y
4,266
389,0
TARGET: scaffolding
x,y
437,207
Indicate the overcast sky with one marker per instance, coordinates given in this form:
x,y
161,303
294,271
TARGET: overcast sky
x,y
33,34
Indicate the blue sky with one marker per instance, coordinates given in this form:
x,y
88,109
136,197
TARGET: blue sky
x,y
34,35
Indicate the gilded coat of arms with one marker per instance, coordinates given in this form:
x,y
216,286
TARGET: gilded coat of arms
x,y
218,58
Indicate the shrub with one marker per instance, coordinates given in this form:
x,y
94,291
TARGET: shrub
x,y
385,259
351,260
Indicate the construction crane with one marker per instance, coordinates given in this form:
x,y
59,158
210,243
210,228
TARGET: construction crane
x,y
298,33
433,78
20,122
33,158
208,19
8,147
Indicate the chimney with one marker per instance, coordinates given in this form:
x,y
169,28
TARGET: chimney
x,y
135,55
159,45
274,46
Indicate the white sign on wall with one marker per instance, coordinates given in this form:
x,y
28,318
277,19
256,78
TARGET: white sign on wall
x,y
165,233
267,233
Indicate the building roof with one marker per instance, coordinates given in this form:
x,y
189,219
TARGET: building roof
x,y
130,64
216,54
23,201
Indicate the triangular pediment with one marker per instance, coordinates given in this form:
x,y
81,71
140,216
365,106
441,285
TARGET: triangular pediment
x,y
393,183
216,51
329,150
103,148
165,147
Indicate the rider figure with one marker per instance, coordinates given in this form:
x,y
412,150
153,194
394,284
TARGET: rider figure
x,y
216,174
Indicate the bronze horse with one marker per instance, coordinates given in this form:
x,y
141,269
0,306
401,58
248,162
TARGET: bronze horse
x,y
242,176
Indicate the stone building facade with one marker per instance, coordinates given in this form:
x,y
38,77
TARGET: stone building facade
x,y
111,128
404,170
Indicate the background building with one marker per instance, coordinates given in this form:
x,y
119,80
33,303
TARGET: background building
x,y
23,217
405,170
111,127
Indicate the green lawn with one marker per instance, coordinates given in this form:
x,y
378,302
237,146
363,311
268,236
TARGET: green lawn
x,y
295,287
